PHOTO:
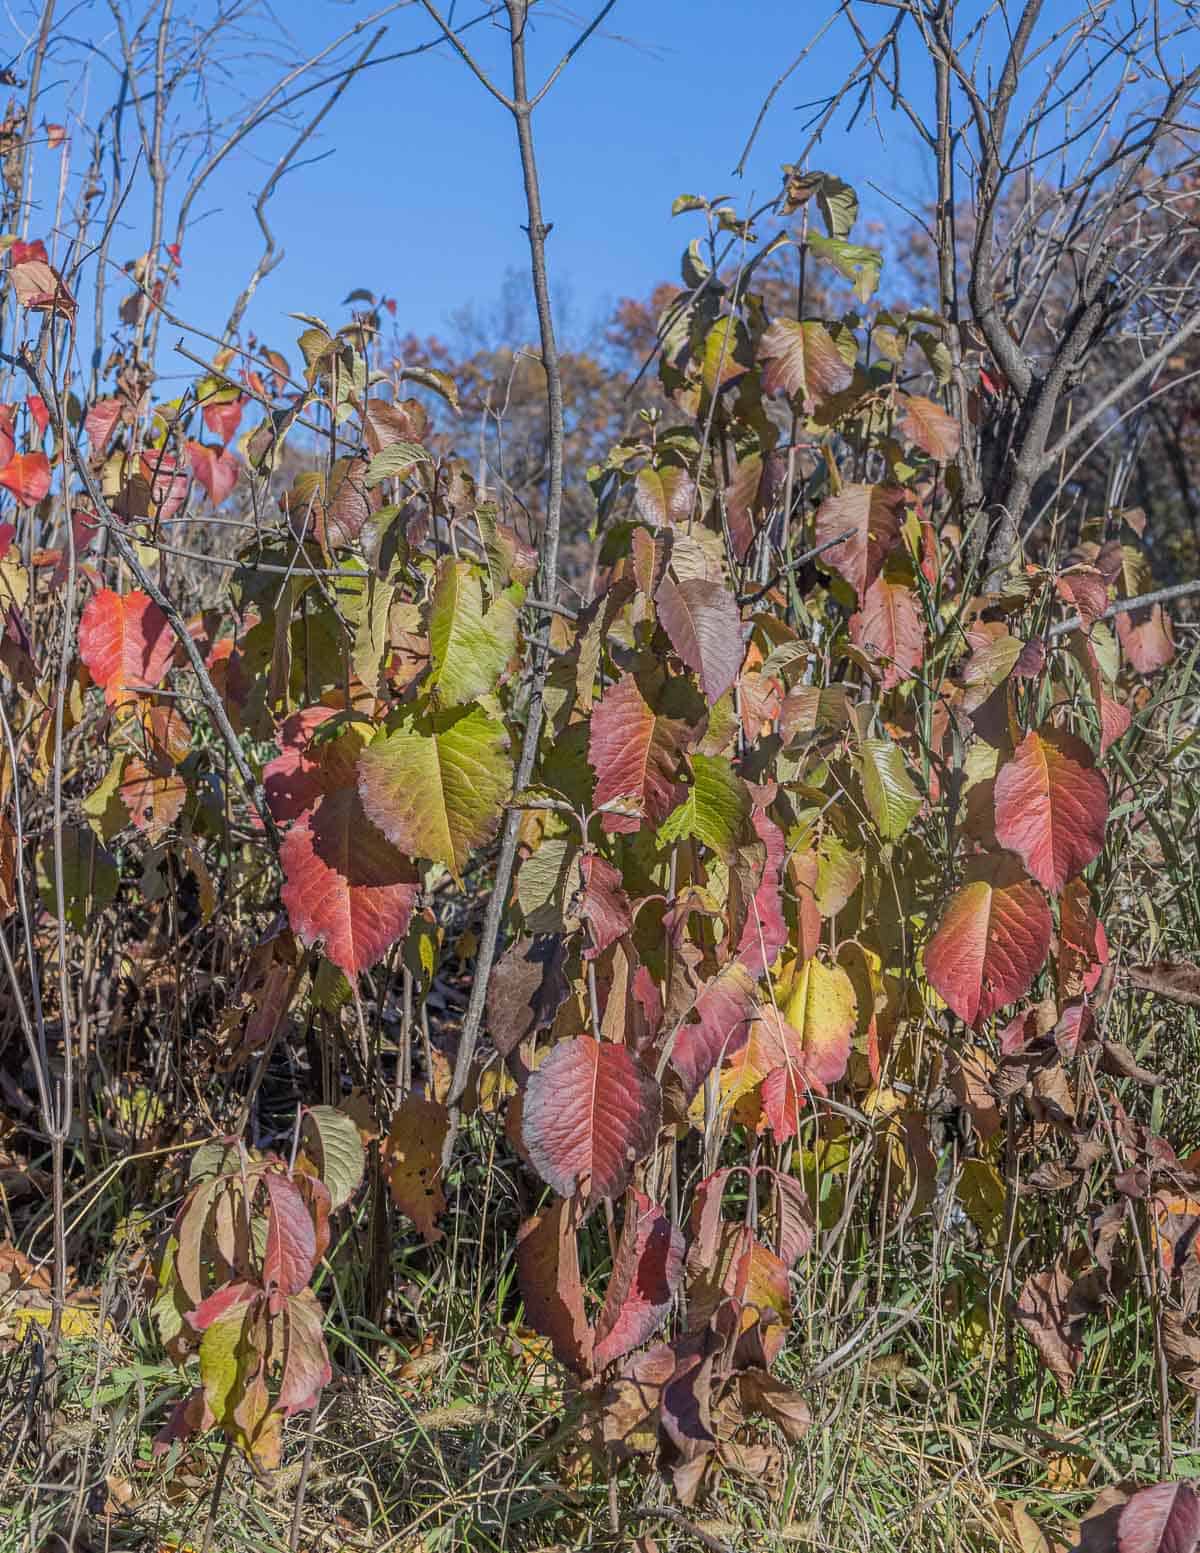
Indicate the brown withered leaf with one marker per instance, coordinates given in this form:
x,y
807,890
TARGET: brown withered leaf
x,y
527,989
1119,1062
1042,1313
1182,1348
630,1406
1178,980
551,1286
970,1077
760,1392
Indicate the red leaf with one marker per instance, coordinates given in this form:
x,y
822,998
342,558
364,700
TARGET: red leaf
x,y
645,1275
306,1366
704,624
890,627
39,412
603,904
39,287
126,643
293,781
636,755
723,1010
223,420
991,942
548,1269
872,514
1085,590
1162,1519
100,422
927,425
291,1239
8,444
345,884
167,481
1051,806
27,476
216,469
590,1113
220,1302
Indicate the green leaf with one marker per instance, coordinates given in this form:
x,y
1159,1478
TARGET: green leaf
x,y
437,786
365,601
89,876
220,1376
685,202
716,810
340,1153
546,884
106,814
892,799
429,377
838,205
468,646
857,263
395,461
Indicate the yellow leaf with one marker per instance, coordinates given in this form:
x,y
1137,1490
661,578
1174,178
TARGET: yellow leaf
x,y
981,1192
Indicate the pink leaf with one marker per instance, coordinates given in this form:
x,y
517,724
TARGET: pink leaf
x,y
723,1011
604,905
636,754
1161,1519
216,469
306,1366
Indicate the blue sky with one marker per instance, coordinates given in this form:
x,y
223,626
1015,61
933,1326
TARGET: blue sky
x,y
413,187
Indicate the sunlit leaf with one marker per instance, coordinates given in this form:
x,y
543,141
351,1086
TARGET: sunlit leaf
x,y
590,1113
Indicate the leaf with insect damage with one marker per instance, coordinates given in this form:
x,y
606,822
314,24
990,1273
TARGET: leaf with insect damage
x,y
412,1157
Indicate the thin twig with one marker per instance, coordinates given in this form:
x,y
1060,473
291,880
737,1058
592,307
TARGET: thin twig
x,y
1180,590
